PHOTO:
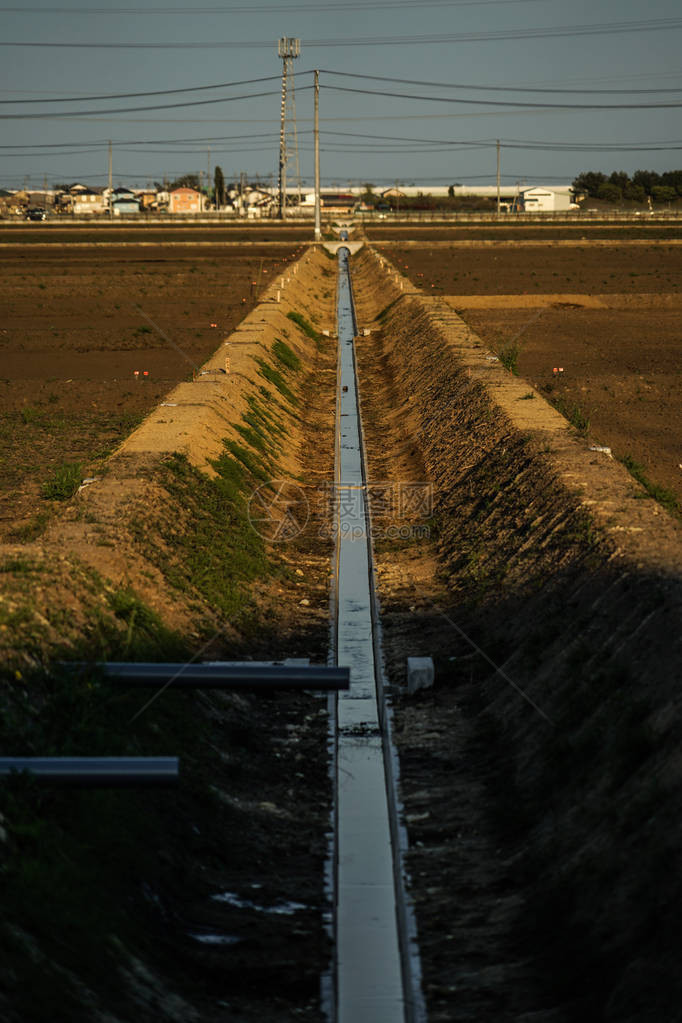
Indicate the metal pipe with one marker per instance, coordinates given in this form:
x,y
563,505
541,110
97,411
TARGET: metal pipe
x,y
95,772
222,675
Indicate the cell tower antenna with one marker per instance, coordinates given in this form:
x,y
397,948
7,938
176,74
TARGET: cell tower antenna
x,y
287,50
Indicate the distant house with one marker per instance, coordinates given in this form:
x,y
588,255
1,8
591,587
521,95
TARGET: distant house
x,y
41,198
185,200
258,202
543,200
124,202
90,200
147,198
338,202
124,207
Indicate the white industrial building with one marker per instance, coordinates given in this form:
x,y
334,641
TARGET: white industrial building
x,y
517,197
546,200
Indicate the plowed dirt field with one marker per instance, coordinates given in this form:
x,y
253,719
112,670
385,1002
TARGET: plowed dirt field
x,y
597,330
93,338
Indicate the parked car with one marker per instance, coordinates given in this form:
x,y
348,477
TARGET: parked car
x,y
36,213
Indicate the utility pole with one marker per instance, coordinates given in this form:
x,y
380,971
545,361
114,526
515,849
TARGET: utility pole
x,y
498,177
208,172
318,198
287,49
111,179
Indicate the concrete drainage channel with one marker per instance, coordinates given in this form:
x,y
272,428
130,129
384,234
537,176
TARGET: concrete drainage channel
x,y
376,977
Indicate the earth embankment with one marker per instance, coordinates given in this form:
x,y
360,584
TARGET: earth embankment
x,y
206,902
540,775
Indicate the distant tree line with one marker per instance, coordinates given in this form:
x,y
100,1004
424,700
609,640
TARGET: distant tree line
x,y
425,203
643,184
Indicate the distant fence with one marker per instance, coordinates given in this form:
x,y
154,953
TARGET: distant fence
x,y
412,217
578,216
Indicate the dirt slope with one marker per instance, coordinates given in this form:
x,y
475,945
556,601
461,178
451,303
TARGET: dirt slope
x,y
542,793
204,902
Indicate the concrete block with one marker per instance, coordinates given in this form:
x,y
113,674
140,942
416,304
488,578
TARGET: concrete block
x,y
420,673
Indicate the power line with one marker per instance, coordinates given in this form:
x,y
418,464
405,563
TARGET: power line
x,y
507,103
548,32
145,109
280,9
202,141
493,88
157,92
345,74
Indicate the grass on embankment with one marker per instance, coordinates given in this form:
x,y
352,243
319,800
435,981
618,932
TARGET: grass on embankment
x,y
93,882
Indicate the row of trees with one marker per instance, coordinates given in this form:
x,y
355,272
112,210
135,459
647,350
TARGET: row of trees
x,y
643,185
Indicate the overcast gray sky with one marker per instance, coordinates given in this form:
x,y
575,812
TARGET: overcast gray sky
x,y
623,54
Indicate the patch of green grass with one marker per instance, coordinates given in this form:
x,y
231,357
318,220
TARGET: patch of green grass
x,y
265,418
527,397
253,437
574,413
217,552
145,634
305,326
65,482
665,497
30,414
19,565
509,357
252,463
273,376
286,356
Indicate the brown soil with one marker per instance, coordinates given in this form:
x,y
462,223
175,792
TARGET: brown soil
x,y
76,329
422,234
538,269
621,363
53,232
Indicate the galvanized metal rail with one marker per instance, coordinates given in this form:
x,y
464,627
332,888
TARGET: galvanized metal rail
x,y
220,675
94,772
98,772
377,975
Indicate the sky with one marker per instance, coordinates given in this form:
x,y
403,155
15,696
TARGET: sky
x,y
565,88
